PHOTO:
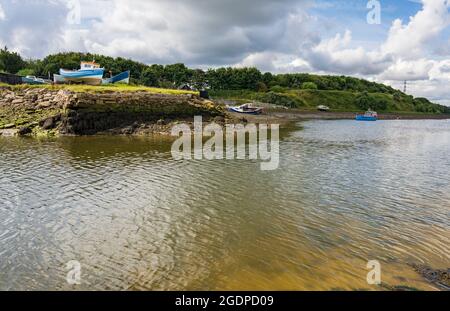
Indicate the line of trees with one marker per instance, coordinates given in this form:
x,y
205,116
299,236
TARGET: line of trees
x,y
175,75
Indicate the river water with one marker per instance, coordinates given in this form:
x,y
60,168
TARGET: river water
x,y
135,219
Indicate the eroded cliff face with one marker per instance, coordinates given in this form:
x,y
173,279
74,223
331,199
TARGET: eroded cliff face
x,y
42,111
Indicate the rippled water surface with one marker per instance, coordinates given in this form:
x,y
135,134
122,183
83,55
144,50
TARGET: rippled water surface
x,y
135,219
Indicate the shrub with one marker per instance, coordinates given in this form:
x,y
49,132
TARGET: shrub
x,y
367,101
277,89
261,87
309,86
285,100
26,72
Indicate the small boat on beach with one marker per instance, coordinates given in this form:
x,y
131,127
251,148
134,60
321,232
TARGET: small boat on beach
x,y
368,116
323,108
58,79
246,109
33,80
123,77
89,73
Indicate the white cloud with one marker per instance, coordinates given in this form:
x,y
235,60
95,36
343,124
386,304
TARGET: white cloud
x,y
33,27
335,55
409,70
275,62
2,13
197,32
408,41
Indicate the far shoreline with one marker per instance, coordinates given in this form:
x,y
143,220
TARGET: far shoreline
x,y
279,116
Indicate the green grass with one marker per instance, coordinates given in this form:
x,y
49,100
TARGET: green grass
x,y
102,88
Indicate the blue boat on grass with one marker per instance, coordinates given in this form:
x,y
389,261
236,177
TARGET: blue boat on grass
x,y
123,77
89,73
368,116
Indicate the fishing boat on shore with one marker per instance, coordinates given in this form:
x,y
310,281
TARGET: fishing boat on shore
x,y
368,116
246,109
89,73
123,77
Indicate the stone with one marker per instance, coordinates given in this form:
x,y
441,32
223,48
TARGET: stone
x,y
24,130
48,123
17,101
45,104
8,126
9,132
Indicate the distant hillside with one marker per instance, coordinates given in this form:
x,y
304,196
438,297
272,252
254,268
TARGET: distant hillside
x,y
300,90
336,100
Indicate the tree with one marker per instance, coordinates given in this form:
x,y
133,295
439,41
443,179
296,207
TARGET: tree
x,y
150,77
363,101
177,74
10,62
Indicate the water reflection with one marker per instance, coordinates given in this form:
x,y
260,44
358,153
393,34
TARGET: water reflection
x,y
345,193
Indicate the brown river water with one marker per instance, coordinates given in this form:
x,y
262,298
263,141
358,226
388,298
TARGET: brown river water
x,y
345,193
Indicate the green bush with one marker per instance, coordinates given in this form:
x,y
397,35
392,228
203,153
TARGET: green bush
x,y
368,101
286,100
26,72
277,89
261,87
309,86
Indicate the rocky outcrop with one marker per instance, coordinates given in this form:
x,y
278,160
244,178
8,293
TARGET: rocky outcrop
x,y
34,111
440,278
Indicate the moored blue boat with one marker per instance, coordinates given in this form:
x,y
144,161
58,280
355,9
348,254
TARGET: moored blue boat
x,y
368,116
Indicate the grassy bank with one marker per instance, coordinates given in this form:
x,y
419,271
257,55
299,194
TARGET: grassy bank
x,y
339,101
99,89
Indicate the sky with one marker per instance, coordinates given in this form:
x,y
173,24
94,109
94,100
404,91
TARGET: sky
x,y
407,40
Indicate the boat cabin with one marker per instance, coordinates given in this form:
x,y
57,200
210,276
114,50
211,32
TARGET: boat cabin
x,y
371,113
89,65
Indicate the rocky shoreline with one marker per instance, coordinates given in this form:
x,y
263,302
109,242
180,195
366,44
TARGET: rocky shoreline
x,y
46,112
53,112
439,278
